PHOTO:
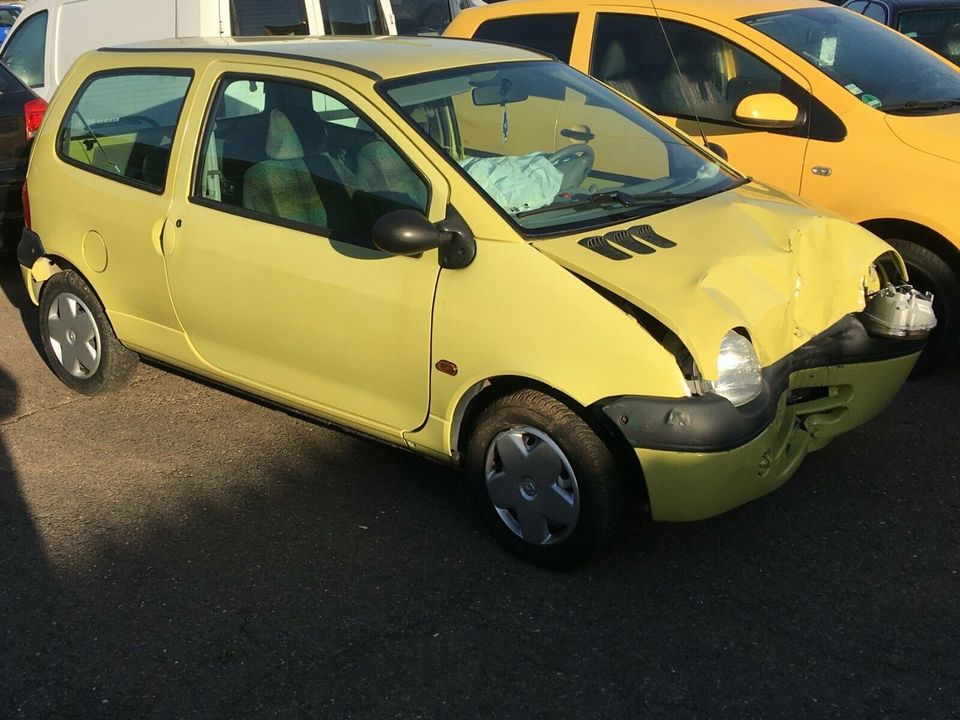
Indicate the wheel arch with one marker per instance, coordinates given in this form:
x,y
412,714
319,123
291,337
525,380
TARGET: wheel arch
x,y
917,233
481,394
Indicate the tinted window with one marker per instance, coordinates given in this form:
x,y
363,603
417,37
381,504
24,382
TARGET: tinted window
x,y
856,7
708,78
551,34
24,50
277,17
293,153
876,11
939,30
420,17
122,125
352,17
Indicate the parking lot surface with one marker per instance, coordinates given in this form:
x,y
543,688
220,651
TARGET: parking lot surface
x,y
176,551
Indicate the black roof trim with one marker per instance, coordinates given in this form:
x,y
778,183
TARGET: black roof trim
x,y
248,51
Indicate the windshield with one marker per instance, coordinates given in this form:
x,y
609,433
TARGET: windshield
x,y
553,149
939,30
883,68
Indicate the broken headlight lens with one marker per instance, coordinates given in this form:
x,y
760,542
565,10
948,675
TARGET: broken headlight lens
x,y
739,379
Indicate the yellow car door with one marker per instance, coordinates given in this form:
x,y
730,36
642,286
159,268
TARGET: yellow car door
x,y
270,264
699,81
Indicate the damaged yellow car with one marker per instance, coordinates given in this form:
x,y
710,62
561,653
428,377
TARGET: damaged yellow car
x,y
467,250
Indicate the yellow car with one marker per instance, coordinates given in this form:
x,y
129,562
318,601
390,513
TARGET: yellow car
x,y
467,250
808,97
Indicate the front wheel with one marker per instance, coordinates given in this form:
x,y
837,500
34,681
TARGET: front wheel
x,y
928,272
78,339
546,485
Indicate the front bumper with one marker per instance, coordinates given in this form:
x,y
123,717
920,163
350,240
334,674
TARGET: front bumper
x,y
702,456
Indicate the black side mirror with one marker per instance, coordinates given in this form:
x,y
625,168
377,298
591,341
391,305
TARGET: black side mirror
x,y
408,232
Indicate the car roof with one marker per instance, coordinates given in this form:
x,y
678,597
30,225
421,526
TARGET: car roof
x,y
379,57
716,9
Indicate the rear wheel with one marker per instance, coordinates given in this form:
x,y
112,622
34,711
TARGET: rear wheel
x,y
78,339
928,272
546,485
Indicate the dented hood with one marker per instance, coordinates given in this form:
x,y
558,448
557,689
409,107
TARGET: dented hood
x,y
934,134
752,258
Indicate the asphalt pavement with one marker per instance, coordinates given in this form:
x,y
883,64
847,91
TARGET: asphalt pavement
x,y
173,550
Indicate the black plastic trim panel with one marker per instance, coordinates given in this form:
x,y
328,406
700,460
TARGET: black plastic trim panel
x,y
29,248
710,423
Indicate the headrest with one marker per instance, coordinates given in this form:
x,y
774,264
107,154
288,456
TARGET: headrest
x,y
614,65
282,140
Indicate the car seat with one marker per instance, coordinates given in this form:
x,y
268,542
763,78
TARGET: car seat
x,y
282,185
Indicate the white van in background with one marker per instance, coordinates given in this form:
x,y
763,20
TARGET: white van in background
x,y
50,34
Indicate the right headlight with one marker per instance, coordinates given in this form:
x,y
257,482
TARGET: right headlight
x,y
739,379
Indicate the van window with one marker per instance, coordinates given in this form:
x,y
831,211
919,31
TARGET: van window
x,y
420,17
122,125
352,17
551,34
25,49
278,17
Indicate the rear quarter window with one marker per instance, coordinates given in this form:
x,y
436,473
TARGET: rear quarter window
x,y
551,34
25,48
121,125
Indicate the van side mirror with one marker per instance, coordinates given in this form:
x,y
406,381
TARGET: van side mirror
x,y
767,110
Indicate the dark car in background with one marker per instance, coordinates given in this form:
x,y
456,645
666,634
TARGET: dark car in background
x,y
20,114
934,23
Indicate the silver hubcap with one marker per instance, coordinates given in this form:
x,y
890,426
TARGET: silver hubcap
x,y
532,486
74,336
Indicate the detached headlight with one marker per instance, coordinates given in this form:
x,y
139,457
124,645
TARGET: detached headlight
x,y
738,370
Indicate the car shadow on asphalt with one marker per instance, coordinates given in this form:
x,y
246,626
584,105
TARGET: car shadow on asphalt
x,y
15,292
29,589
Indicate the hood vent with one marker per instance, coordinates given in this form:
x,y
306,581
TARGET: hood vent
x,y
629,240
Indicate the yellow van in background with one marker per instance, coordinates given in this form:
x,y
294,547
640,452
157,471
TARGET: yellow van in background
x,y
800,94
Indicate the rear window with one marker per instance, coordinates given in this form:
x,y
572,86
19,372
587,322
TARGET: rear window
x,y
121,125
551,34
24,50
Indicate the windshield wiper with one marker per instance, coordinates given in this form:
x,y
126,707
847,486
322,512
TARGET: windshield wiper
x,y
920,105
609,198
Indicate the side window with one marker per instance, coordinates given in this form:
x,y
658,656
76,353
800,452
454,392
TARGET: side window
x,y
420,17
551,34
278,17
293,153
352,17
25,49
122,125
876,11
857,6
709,78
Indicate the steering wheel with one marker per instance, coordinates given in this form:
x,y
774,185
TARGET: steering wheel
x,y
575,162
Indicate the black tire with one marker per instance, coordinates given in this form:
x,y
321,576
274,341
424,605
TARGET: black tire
x,y
928,272
77,337
600,510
